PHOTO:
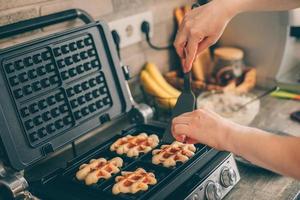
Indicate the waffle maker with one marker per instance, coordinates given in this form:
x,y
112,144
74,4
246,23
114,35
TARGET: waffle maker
x,y
66,85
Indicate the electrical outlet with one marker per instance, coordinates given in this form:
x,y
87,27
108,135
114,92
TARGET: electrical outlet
x,y
129,28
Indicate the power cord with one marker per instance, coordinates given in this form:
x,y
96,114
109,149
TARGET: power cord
x,y
117,40
145,27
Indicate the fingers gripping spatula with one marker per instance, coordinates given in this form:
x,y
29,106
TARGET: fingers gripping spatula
x,y
185,103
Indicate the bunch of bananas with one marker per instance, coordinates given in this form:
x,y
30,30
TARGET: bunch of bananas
x,y
154,84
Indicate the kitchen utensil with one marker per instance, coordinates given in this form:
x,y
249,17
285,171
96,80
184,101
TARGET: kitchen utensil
x,y
286,95
185,103
256,98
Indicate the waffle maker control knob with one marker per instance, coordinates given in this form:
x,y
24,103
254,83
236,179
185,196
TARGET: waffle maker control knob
x,y
228,177
213,191
195,197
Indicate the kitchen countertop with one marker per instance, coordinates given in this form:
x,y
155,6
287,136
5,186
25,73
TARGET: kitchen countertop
x,y
260,184
257,183
275,113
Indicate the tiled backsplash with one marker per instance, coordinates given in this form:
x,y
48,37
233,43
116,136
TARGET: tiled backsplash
x,y
134,56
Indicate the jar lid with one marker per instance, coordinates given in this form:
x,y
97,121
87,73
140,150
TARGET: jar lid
x,y
229,53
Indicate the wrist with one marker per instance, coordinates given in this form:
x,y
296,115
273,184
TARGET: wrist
x,y
231,136
230,7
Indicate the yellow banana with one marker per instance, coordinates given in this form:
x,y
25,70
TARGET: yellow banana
x,y
201,64
160,80
163,98
197,69
178,15
166,103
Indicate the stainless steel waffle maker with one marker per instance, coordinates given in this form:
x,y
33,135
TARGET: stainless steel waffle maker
x,y
64,101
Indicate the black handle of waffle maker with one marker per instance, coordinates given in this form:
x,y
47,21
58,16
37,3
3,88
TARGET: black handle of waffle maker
x,y
40,22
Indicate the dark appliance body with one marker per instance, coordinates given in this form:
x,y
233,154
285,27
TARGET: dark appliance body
x,y
63,86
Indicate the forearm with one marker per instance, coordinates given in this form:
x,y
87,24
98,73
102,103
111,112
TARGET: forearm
x,y
238,6
277,153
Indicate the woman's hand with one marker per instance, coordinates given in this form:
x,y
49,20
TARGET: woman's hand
x,y
201,28
202,126
280,153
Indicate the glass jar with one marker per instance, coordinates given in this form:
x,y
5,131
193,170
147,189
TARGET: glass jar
x,y
228,64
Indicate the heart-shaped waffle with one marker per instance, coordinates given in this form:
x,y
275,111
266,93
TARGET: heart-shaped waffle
x,y
133,182
134,145
169,155
98,169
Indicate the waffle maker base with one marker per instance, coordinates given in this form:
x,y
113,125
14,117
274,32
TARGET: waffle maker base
x,y
60,89
181,180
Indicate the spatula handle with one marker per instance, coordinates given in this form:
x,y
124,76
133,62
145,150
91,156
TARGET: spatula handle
x,y
187,81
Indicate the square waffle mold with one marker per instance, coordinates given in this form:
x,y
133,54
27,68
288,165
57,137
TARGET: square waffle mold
x,y
56,89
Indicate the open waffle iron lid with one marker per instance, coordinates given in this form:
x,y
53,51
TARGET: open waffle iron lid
x,y
57,88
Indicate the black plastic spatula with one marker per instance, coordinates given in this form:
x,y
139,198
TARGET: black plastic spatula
x,y
185,103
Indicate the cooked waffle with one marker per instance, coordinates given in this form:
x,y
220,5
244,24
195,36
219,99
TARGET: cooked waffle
x,y
98,169
134,145
169,155
133,182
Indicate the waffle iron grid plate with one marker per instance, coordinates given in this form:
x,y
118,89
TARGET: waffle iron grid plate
x,y
58,88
